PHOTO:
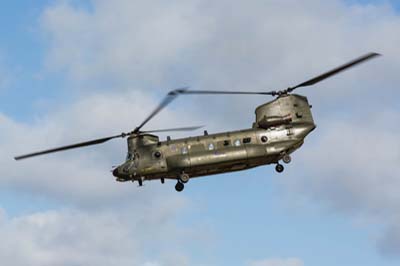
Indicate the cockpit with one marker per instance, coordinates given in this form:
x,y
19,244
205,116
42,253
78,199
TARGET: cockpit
x,y
130,156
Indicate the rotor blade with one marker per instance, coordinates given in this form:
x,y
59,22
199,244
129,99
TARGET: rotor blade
x,y
169,98
335,71
172,129
273,93
68,147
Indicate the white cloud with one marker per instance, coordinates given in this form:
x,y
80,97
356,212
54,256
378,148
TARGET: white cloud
x,y
353,167
224,45
81,176
131,40
277,262
74,237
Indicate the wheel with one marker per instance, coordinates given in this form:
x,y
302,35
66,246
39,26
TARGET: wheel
x,y
286,158
184,178
279,168
140,182
179,186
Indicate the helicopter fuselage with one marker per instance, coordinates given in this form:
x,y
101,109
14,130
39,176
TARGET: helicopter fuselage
x,y
280,128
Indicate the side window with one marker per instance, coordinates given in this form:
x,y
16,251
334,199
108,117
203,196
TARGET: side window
x,y
184,150
173,148
223,143
157,155
237,142
211,146
246,140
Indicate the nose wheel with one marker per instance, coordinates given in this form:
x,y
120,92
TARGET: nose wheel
x,y
279,168
179,186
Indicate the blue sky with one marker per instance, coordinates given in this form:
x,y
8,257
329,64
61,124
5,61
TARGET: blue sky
x,y
71,70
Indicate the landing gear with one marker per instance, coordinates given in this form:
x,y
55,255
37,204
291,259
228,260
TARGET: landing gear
x,y
179,186
286,158
279,168
140,180
184,178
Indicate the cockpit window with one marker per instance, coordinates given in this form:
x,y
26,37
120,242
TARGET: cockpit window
x,y
130,156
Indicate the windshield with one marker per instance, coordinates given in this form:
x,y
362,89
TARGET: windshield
x,y
130,156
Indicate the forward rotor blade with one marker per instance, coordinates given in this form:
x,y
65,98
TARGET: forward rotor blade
x,y
172,129
68,147
273,93
335,71
169,98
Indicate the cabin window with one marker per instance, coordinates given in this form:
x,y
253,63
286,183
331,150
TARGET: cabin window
x,y
246,140
173,148
264,139
223,143
184,150
211,146
237,142
157,154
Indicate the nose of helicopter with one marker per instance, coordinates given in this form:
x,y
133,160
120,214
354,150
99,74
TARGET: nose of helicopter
x,y
115,172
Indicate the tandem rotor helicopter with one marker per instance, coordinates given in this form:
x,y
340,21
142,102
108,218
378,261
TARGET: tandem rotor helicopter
x,y
280,128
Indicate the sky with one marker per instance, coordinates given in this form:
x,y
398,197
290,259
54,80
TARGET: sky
x,y
75,70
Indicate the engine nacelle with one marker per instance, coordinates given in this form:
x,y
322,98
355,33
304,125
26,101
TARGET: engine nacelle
x,y
286,109
272,121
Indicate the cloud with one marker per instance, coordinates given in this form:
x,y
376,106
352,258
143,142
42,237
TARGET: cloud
x,y
129,40
389,242
253,46
277,262
76,237
353,167
81,176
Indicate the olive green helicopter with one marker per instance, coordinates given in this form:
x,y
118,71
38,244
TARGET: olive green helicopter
x,y
280,128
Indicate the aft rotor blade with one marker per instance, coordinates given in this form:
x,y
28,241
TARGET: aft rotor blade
x,y
273,93
68,147
172,129
169,98
335,71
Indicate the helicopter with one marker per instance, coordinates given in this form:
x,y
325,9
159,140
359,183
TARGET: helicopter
x,y
280,127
